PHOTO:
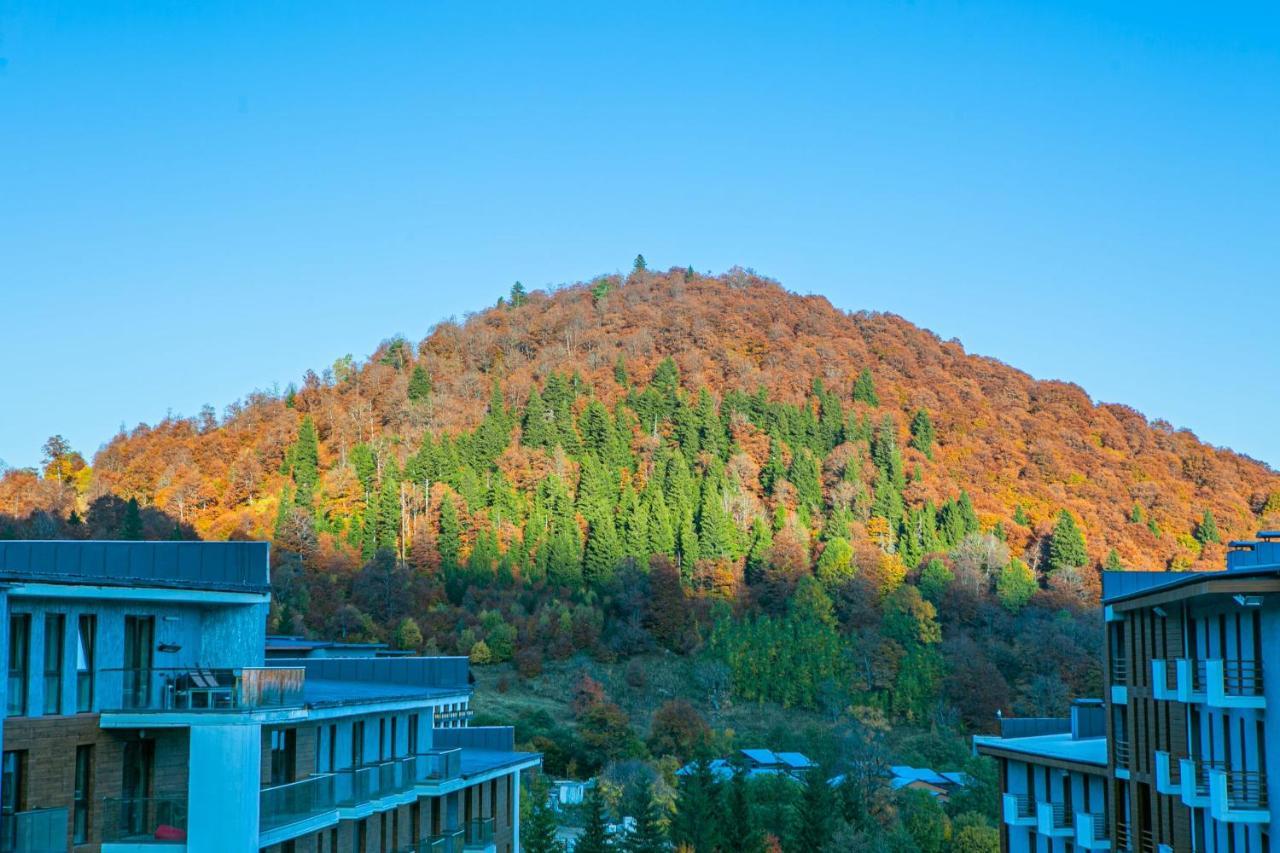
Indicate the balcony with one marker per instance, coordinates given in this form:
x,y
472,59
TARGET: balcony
x,y
361,791
1053,820
1168,774
37,829
437,766
448,842
1194,776
1123,754
479,834
1119,680
1164,680
1091,832
1019,810
296,803
1124,838
1190,675
198,689
1234,683
452,719
1238,796
144,820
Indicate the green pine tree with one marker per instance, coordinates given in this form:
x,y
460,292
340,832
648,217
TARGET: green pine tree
x,y
1207,530
419,384
922,434
1113,563
1066,545
815,815
774,470
864,389
305,464
518,295
449,543
804,475
131,524
738,823
697,801
1135,514
649,835
603,549
595,836
1020,516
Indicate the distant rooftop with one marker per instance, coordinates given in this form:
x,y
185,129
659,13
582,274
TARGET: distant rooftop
x,y
220,566
294,646
359,680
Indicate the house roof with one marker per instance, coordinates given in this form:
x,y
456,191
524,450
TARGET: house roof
x,y
1059,747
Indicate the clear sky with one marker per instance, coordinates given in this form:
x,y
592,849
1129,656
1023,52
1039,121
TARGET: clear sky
x,y
202,198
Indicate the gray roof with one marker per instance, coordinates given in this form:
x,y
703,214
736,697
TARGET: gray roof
x,y
319,692
477,761
217,566
1060,746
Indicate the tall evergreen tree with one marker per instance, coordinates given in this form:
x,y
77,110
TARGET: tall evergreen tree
x,y
1113,562
595,835
449,543
305,464
815,814
1066,545
774,470
864,389
131,524
649,835
419,384
739,826
603,548
538,429
697,800
804,475
922,434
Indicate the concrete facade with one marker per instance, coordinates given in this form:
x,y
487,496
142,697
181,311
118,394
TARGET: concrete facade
x,y
141,715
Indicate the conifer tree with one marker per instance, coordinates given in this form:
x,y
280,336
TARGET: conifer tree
x,y
603,548
1066,546
1020,516
758,553
922,434
1015,585
661,535
305,464
864,389
131,524
595,835
697,800
538,830
620,371
419,384
518,295
1207,530
538,428
449,543
835,566
1113,563
639,265
774,470
740,832
1135,514
815,814
804,475
649,835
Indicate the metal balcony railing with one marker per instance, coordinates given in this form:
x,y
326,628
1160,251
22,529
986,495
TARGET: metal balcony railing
x,y
1242,677
37,829
1246,789
1122,753
445,842
1119,669
143,820
1062,819
1098,820
1123,838
282,805
200,688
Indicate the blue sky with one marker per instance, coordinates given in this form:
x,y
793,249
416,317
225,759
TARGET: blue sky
x,y
200,199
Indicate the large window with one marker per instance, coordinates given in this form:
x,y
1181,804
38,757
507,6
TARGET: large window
x,y
139,636
284,753
19,660
55,625
413,734
12,795
138,771
83,794
86,639
357,743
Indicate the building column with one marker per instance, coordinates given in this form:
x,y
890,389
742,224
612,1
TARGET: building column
x,y
225,767
514,805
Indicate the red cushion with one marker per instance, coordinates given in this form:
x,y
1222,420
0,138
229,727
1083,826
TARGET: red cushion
x,y
164,832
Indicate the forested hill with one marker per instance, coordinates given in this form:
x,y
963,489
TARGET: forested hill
x,y
892,522
767,388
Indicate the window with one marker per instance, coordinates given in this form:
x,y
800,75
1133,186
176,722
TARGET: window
x,y
12,794
413,734
55,625
284,753
382,738
86,638
357,743
394,747
83,794
139,633
19,648
362,836
139,765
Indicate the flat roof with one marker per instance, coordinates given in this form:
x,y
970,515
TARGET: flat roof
x,y
1059,747
319,692
1179,580
479,761
217,566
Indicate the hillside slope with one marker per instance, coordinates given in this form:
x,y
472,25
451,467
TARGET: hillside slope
x,y
1008,440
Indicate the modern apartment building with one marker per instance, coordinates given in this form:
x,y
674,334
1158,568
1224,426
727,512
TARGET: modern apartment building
x,y
142,714
1053,780
1192,664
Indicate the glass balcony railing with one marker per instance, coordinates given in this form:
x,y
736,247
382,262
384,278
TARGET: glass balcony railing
x,y
438,765
200,688
37,829
358,785
447,842
479,832
139,820
297,801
